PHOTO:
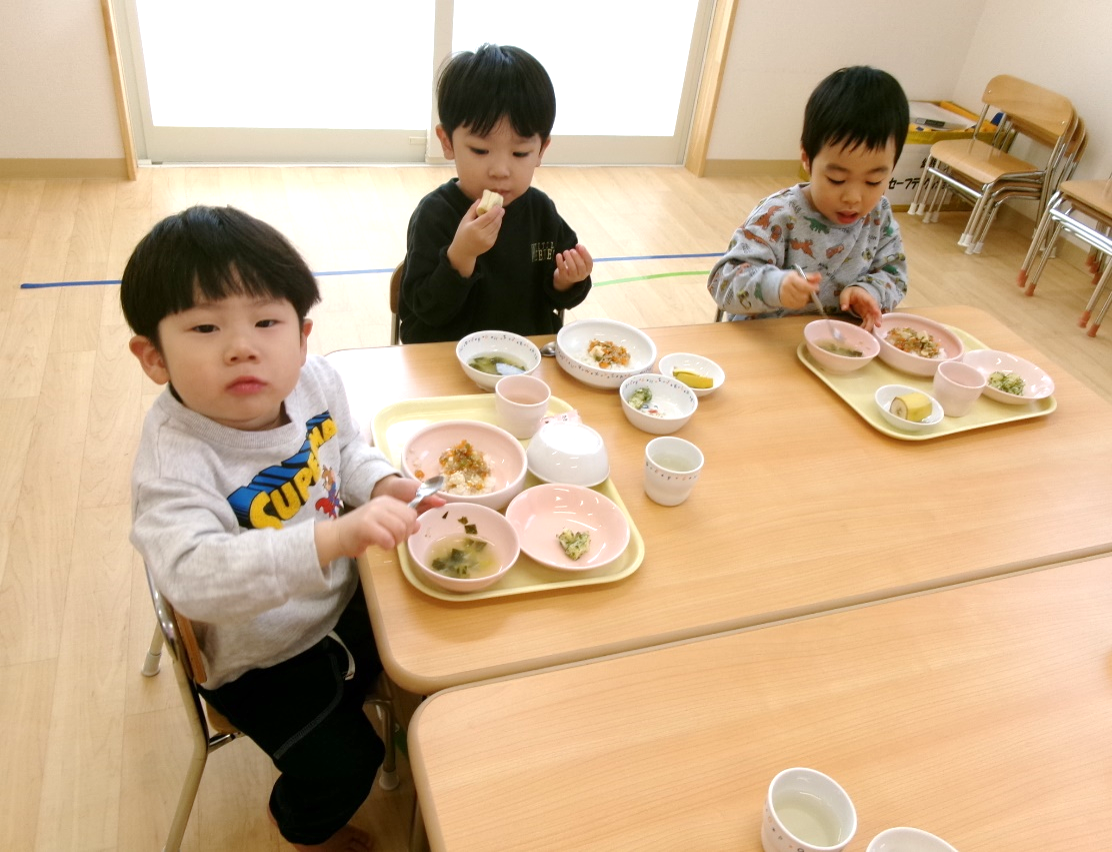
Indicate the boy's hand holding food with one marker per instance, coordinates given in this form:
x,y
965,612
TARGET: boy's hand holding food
x,y
476,235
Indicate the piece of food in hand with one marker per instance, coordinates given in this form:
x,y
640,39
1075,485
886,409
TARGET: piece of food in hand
x,y
915,407
489,201
692,379
575,544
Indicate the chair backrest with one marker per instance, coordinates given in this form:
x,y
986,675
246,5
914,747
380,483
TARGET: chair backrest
x,y
395,297
1043,115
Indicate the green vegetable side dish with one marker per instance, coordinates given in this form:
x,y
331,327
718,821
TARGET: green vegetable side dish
x,y
838,349
497,365
640,398
1007,382
575,544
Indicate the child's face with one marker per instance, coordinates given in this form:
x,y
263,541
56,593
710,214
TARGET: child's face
x,y
234,360
846,183
501,161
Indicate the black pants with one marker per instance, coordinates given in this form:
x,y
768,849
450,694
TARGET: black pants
x,y
309,719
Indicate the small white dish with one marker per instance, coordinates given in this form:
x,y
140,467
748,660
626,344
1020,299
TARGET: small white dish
x,y
886,393
903,839
672,404
1036,383
695,364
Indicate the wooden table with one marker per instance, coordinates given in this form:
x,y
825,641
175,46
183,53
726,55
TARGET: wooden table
x,y
801,507
982,714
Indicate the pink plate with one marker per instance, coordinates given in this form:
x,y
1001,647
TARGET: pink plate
x,y
541,513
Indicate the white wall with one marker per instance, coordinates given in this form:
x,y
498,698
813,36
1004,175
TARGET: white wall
x,y
57,101
56,95
779,52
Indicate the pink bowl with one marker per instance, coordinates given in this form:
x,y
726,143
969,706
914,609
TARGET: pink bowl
x,y
541,513
909,362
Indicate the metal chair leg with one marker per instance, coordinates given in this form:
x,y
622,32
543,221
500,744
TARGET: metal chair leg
x,y
154,653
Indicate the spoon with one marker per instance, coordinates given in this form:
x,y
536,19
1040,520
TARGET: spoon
x,y
429,486
834,330
549,349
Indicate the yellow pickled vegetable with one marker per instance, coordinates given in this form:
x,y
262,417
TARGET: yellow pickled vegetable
x,y
692,379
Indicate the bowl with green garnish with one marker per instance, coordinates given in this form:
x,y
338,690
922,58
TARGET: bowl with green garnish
x,y
487,356
1010,379
838,346
463,547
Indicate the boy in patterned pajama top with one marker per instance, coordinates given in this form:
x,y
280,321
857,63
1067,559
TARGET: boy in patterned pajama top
x,y
838,228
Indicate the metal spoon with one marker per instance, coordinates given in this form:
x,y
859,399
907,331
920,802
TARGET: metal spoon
x,y
429,486
834,331
549,349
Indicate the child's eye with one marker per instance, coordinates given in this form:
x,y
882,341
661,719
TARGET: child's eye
x,y
521,155
874,182
836,182
266,323
204,328
479,152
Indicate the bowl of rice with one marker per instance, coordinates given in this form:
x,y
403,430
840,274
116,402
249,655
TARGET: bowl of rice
x,y
483,464
915,344
604,353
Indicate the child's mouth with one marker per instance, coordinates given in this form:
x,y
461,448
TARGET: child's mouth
x,y
847,218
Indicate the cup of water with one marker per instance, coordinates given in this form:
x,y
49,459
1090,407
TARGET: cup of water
x,y
806,811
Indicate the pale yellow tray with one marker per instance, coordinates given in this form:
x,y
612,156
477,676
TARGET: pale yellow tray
x,y
393,425
858,390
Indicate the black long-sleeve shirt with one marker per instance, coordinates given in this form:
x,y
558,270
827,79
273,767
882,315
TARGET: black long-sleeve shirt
x,y
511,288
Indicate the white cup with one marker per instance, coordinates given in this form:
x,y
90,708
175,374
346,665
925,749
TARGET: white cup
x,y
908,840
806,811
672,467
957,386
521,403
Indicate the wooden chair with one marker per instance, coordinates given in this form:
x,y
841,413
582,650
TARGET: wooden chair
x,y
1027,188
209,729
1089,200
395,296
973,169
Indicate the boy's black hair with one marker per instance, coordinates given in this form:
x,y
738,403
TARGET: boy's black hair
x,y
478,89
855,106
210,253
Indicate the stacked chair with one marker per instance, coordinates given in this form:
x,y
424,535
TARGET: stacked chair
x,y
981,170
1082,208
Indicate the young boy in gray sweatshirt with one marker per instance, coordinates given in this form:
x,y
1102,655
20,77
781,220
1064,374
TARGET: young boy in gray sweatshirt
x,y
245,463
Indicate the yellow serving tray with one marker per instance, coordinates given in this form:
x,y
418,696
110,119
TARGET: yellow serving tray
x,y
858,390
392,427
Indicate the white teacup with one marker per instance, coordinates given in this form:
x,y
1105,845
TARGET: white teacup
x,y
672,467
521,402
957,386
806,811
908,840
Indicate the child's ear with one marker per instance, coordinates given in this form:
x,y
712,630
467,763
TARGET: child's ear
x,y
805,160
544,147
445,142
150,358
306,328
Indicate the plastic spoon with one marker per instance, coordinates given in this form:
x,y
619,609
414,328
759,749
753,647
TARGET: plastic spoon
x,y
834,332
429,486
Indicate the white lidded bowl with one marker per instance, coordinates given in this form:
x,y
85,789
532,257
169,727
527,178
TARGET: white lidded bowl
x,y
446,523
496,344
672,404
573,346
420,459
570,453
693,363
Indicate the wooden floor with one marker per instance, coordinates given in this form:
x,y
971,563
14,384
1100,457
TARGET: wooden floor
x,y
95,754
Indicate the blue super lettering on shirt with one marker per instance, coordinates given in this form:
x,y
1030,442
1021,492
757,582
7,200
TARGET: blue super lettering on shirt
x,y
277,493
